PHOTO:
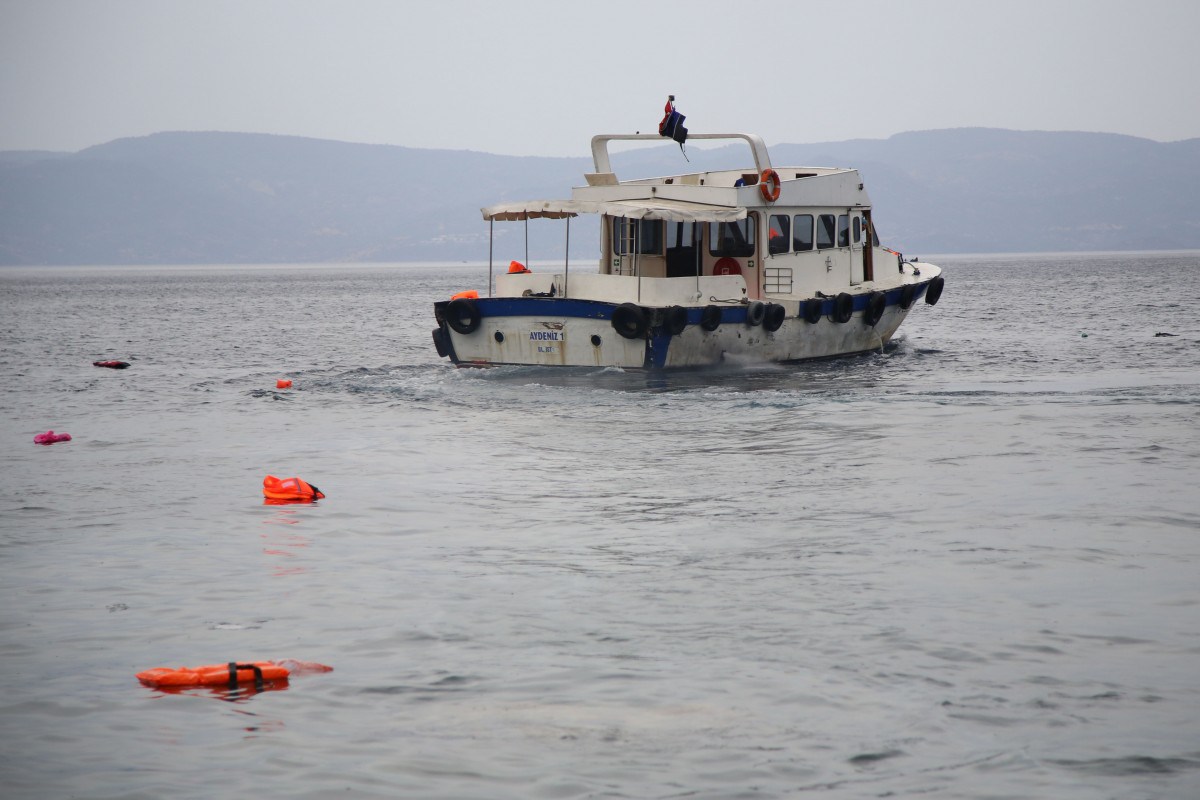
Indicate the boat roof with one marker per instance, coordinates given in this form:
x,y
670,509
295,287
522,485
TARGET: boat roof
x,y
717,196
758,148
649,208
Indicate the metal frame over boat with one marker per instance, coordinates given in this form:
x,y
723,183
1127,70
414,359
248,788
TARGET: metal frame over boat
x,y
768,263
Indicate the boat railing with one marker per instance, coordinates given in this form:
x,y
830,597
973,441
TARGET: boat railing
x,y
604,164
606,288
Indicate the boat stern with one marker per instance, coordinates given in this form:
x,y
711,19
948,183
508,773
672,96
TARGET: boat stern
x,y
533,331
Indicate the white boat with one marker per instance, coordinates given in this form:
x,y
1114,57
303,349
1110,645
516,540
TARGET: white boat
x,y
769,263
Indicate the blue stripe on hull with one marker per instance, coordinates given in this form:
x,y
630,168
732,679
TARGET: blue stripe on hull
x,y
543,306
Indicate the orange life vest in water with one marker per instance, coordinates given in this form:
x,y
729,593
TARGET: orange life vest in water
x,y
293,489
230,674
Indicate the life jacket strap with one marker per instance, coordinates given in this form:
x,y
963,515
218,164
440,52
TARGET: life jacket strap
x,y
233,671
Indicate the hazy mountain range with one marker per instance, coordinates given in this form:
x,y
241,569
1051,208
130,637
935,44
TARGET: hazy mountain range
x,y
248,198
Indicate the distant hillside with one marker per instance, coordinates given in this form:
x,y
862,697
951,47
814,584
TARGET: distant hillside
x,y
978,190
249,198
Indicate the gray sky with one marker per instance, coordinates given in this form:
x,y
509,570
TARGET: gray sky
x,y
539,78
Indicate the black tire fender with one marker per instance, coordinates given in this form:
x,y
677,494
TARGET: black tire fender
x,y
463,315
876,305
774,317
934,292
710,318
811,311
755,313
907,295
676,319
843,307
629,320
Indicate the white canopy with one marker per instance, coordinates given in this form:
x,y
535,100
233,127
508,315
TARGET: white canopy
x,y
532,209
650,208
673,210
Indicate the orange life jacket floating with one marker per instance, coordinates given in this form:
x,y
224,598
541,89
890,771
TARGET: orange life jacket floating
x,y
290,490
231,674
283,383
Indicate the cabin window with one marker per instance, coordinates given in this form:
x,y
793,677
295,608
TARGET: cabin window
x,y
856,229
825,227
844,230
731,239
802,233
778,234
680,234
649,236
682,257
869,234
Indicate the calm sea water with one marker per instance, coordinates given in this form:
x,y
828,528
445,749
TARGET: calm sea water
x,y
965,567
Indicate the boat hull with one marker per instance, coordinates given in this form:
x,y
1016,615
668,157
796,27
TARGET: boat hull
x,y
569,332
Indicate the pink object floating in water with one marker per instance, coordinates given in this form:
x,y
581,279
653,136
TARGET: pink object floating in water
x,y
50,437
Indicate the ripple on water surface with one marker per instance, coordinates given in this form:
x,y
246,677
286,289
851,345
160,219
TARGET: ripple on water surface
x,y
963,566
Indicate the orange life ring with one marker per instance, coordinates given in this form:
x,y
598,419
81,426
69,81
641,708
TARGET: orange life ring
x,y
230,674
769,178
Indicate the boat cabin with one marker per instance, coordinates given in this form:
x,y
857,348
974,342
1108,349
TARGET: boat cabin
x,y
773,251
815,235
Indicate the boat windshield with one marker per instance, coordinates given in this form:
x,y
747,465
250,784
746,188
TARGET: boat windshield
x,y
642,236
732,239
